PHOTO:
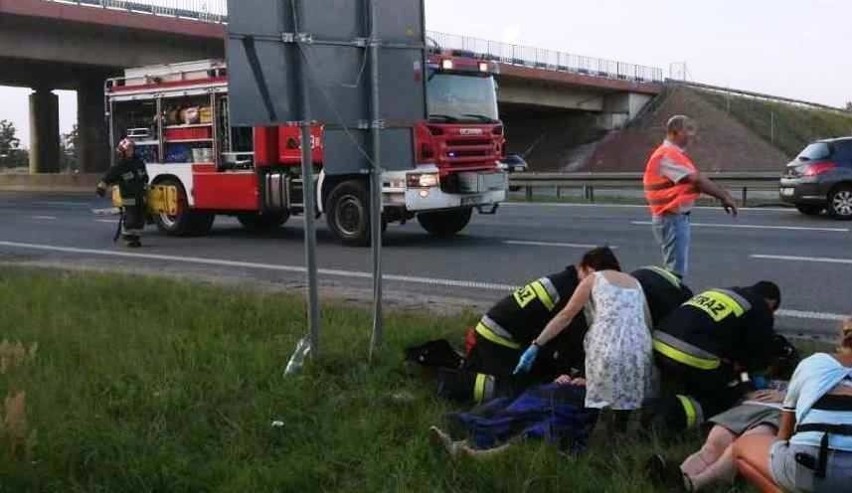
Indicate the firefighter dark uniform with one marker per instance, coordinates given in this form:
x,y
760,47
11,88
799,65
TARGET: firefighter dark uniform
x,y
511,325
664,291
506,330
131,177
703,346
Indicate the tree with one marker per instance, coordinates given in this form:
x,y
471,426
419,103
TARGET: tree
x,y
11,155
9,140
849,106
20,158
69,149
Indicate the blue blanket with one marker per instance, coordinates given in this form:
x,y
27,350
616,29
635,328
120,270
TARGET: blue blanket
x,y
551,412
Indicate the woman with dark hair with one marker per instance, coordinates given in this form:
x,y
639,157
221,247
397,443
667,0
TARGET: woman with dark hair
x,y
618,343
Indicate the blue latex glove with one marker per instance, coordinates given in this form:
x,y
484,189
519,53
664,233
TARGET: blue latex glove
x,y
760,382
527,360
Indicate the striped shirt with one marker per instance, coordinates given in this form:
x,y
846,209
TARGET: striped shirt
x,y
815,377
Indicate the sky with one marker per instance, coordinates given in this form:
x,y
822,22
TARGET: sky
x,y
792,48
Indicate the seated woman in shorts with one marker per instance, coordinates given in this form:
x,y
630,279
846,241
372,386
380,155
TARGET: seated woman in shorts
x,y
813,450
714,463
760,414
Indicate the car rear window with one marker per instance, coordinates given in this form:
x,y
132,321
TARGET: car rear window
x,y
815,151
843,151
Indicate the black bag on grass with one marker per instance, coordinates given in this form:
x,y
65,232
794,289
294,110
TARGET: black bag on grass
x,y
435,354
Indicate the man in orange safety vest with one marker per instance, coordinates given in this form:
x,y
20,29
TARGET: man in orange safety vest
x,y
672,185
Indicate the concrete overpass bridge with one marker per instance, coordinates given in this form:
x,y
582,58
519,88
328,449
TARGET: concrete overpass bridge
x,y
75,44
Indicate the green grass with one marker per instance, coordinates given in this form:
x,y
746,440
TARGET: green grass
x,y
153,385
794,126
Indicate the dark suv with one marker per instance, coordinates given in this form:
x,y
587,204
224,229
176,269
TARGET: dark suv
x,y
820,178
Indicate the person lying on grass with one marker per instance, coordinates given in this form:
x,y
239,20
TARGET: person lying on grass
x,y
552,412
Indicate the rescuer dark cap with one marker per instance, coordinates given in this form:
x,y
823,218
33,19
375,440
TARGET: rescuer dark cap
x,y
768,290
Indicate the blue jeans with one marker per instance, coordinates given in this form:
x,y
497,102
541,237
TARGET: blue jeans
x,y
673,234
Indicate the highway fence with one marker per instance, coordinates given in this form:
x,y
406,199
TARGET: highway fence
x,y
200,10
544,59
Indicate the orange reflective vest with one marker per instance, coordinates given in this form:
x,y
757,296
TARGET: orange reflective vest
x,y
663,195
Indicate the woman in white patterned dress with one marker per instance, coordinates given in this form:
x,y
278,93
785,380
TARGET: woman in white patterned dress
x,y
619,365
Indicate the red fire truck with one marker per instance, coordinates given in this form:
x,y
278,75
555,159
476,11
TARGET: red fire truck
x,y
178,117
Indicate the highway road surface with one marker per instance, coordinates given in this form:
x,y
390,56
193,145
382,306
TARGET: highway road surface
x,y
810,258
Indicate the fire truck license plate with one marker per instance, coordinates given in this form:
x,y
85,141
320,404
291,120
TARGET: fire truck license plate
x,y
471,200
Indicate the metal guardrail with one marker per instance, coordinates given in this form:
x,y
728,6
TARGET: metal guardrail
x,y
632,181
216,11
526,181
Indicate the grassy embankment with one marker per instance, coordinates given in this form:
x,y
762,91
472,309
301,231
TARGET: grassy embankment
x,y
788,127
125,384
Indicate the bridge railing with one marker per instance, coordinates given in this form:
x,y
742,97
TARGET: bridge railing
x,y
544,59
215,11
523,56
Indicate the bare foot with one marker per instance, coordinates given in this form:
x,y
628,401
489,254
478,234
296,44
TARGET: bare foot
x,y
441,439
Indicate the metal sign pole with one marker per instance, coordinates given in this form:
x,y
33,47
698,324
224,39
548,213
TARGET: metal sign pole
x,y
375,181
309,200
287,60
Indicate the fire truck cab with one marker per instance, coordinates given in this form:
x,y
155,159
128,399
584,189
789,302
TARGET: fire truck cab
x,y
178,117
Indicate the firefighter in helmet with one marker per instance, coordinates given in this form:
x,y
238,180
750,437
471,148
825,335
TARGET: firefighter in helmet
x,y
131,177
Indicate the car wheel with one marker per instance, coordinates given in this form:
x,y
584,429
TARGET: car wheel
x,y
348,213
810,210
840,202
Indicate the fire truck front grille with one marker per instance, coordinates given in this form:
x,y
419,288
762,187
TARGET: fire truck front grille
x,y
470,151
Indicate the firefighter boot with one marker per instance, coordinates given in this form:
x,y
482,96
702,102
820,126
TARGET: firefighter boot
x,y
132,241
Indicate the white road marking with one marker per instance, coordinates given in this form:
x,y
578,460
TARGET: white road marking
x,y
107,221
753,226
254,265
487,286
552,244
63,204
792,258
831,317
633,206
45,218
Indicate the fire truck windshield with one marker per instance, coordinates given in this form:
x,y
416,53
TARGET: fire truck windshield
x,y
455,98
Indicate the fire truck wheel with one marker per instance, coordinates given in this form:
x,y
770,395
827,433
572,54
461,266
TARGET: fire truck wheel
x,y
186,222
348,212
444,224
263,222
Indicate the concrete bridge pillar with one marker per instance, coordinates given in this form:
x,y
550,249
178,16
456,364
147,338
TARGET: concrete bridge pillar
x,y
620,108
44,131
93,134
